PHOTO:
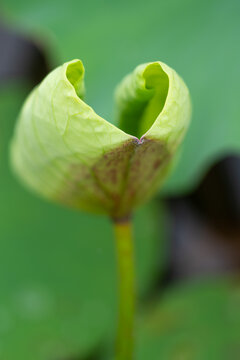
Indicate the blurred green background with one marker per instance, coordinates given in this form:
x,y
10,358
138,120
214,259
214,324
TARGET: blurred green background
x,y
57,267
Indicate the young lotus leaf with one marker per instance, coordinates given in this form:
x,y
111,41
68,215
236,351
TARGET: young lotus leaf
x,y
66,152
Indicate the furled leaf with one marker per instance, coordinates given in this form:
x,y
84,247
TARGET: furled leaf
x,y
66,152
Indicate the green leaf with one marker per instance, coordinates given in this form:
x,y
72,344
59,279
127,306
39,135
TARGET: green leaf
x,y
66,152
193,321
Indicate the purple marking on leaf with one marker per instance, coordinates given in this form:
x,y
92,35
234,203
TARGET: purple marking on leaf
x,y
118,181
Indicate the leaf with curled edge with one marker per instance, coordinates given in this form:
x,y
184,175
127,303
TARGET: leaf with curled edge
x,y
66,152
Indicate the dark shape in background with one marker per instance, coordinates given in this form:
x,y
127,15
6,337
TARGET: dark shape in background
x,y
21,58
205,225
203,228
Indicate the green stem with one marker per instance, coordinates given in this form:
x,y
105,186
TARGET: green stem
x,y
125,254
